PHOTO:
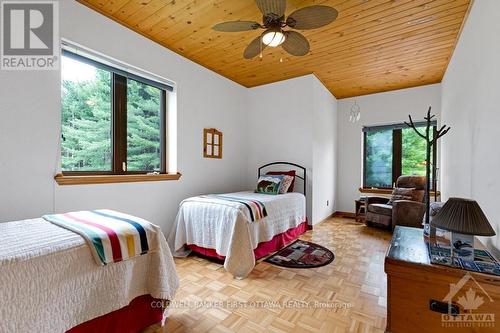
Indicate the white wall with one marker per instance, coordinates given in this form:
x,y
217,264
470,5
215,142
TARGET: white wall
x,y
470,105
29,135
381,108
30,130
294,121
324,152
280,127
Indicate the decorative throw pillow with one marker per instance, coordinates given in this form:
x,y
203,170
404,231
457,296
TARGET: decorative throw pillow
x,y
269,184
285,184
285,173
401,194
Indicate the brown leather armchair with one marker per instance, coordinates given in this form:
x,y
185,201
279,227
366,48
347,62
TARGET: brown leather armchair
x,y
406,207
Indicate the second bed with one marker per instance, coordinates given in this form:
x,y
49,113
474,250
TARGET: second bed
x,y
241,227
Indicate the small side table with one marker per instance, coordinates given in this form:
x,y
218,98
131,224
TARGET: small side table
x,y
360,205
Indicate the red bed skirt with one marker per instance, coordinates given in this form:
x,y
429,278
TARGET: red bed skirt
x,y
264,248
133,318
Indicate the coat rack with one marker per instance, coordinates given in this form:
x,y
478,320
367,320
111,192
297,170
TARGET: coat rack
x,y
430,143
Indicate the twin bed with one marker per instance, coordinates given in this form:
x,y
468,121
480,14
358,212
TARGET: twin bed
x,y
232,226
50,282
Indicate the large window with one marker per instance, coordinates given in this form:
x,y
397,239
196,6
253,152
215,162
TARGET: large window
x,y
113,122
391,151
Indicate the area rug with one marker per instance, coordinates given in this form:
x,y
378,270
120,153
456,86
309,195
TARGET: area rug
x,y
302,254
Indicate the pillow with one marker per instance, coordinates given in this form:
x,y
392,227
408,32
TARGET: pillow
x,y
285,173
401,194
269,184
285,184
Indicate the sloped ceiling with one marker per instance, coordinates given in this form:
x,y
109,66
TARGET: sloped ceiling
x,y
373,46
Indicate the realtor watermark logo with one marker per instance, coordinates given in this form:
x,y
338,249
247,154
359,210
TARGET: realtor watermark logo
x,y
29,35
470,298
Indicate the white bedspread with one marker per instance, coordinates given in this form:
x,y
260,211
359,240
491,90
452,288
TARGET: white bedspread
x,y
49,281
228,231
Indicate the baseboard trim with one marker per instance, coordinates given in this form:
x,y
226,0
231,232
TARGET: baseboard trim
x,y
324,220
347,215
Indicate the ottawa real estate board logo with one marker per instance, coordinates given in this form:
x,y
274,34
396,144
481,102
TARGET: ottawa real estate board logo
x,y
472,298
29,35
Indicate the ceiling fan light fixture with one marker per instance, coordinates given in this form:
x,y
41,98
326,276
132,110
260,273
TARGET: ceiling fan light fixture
x,y
273,38
274,21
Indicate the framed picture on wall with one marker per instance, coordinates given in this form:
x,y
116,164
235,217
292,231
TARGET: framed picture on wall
x,y
212,143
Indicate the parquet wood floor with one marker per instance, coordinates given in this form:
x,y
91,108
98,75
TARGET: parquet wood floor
x,y
351,291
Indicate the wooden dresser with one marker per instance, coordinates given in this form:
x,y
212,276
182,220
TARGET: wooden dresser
x,y
420,295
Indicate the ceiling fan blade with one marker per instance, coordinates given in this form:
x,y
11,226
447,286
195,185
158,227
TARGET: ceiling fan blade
x,y
235,26
295,44
253,48
311,17
267,7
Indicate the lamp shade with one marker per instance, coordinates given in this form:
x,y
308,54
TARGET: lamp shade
x,y
463,216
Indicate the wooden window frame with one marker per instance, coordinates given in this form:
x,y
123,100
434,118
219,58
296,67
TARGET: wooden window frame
x,y
397,158
118,170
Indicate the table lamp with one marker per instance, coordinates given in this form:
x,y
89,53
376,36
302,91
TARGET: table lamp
x,y
464,218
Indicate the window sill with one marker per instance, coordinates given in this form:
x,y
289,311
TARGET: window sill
x,y
384,191
110,179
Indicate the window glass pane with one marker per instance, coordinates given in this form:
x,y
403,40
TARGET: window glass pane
x,y
378,163
414,152
143,127
86,117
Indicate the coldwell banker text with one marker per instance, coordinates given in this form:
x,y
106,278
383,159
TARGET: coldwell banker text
x,y
30,35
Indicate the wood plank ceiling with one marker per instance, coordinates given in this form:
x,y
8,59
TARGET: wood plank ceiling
x,y
373,46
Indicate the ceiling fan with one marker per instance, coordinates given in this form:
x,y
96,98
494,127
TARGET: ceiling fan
x,y
274,21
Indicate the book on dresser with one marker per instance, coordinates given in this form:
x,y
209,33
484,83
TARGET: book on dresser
x,y
426,297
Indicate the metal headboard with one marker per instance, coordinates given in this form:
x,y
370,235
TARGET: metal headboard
x,y
292,164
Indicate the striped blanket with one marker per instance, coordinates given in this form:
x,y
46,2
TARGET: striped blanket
x,y
255,209
111,236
